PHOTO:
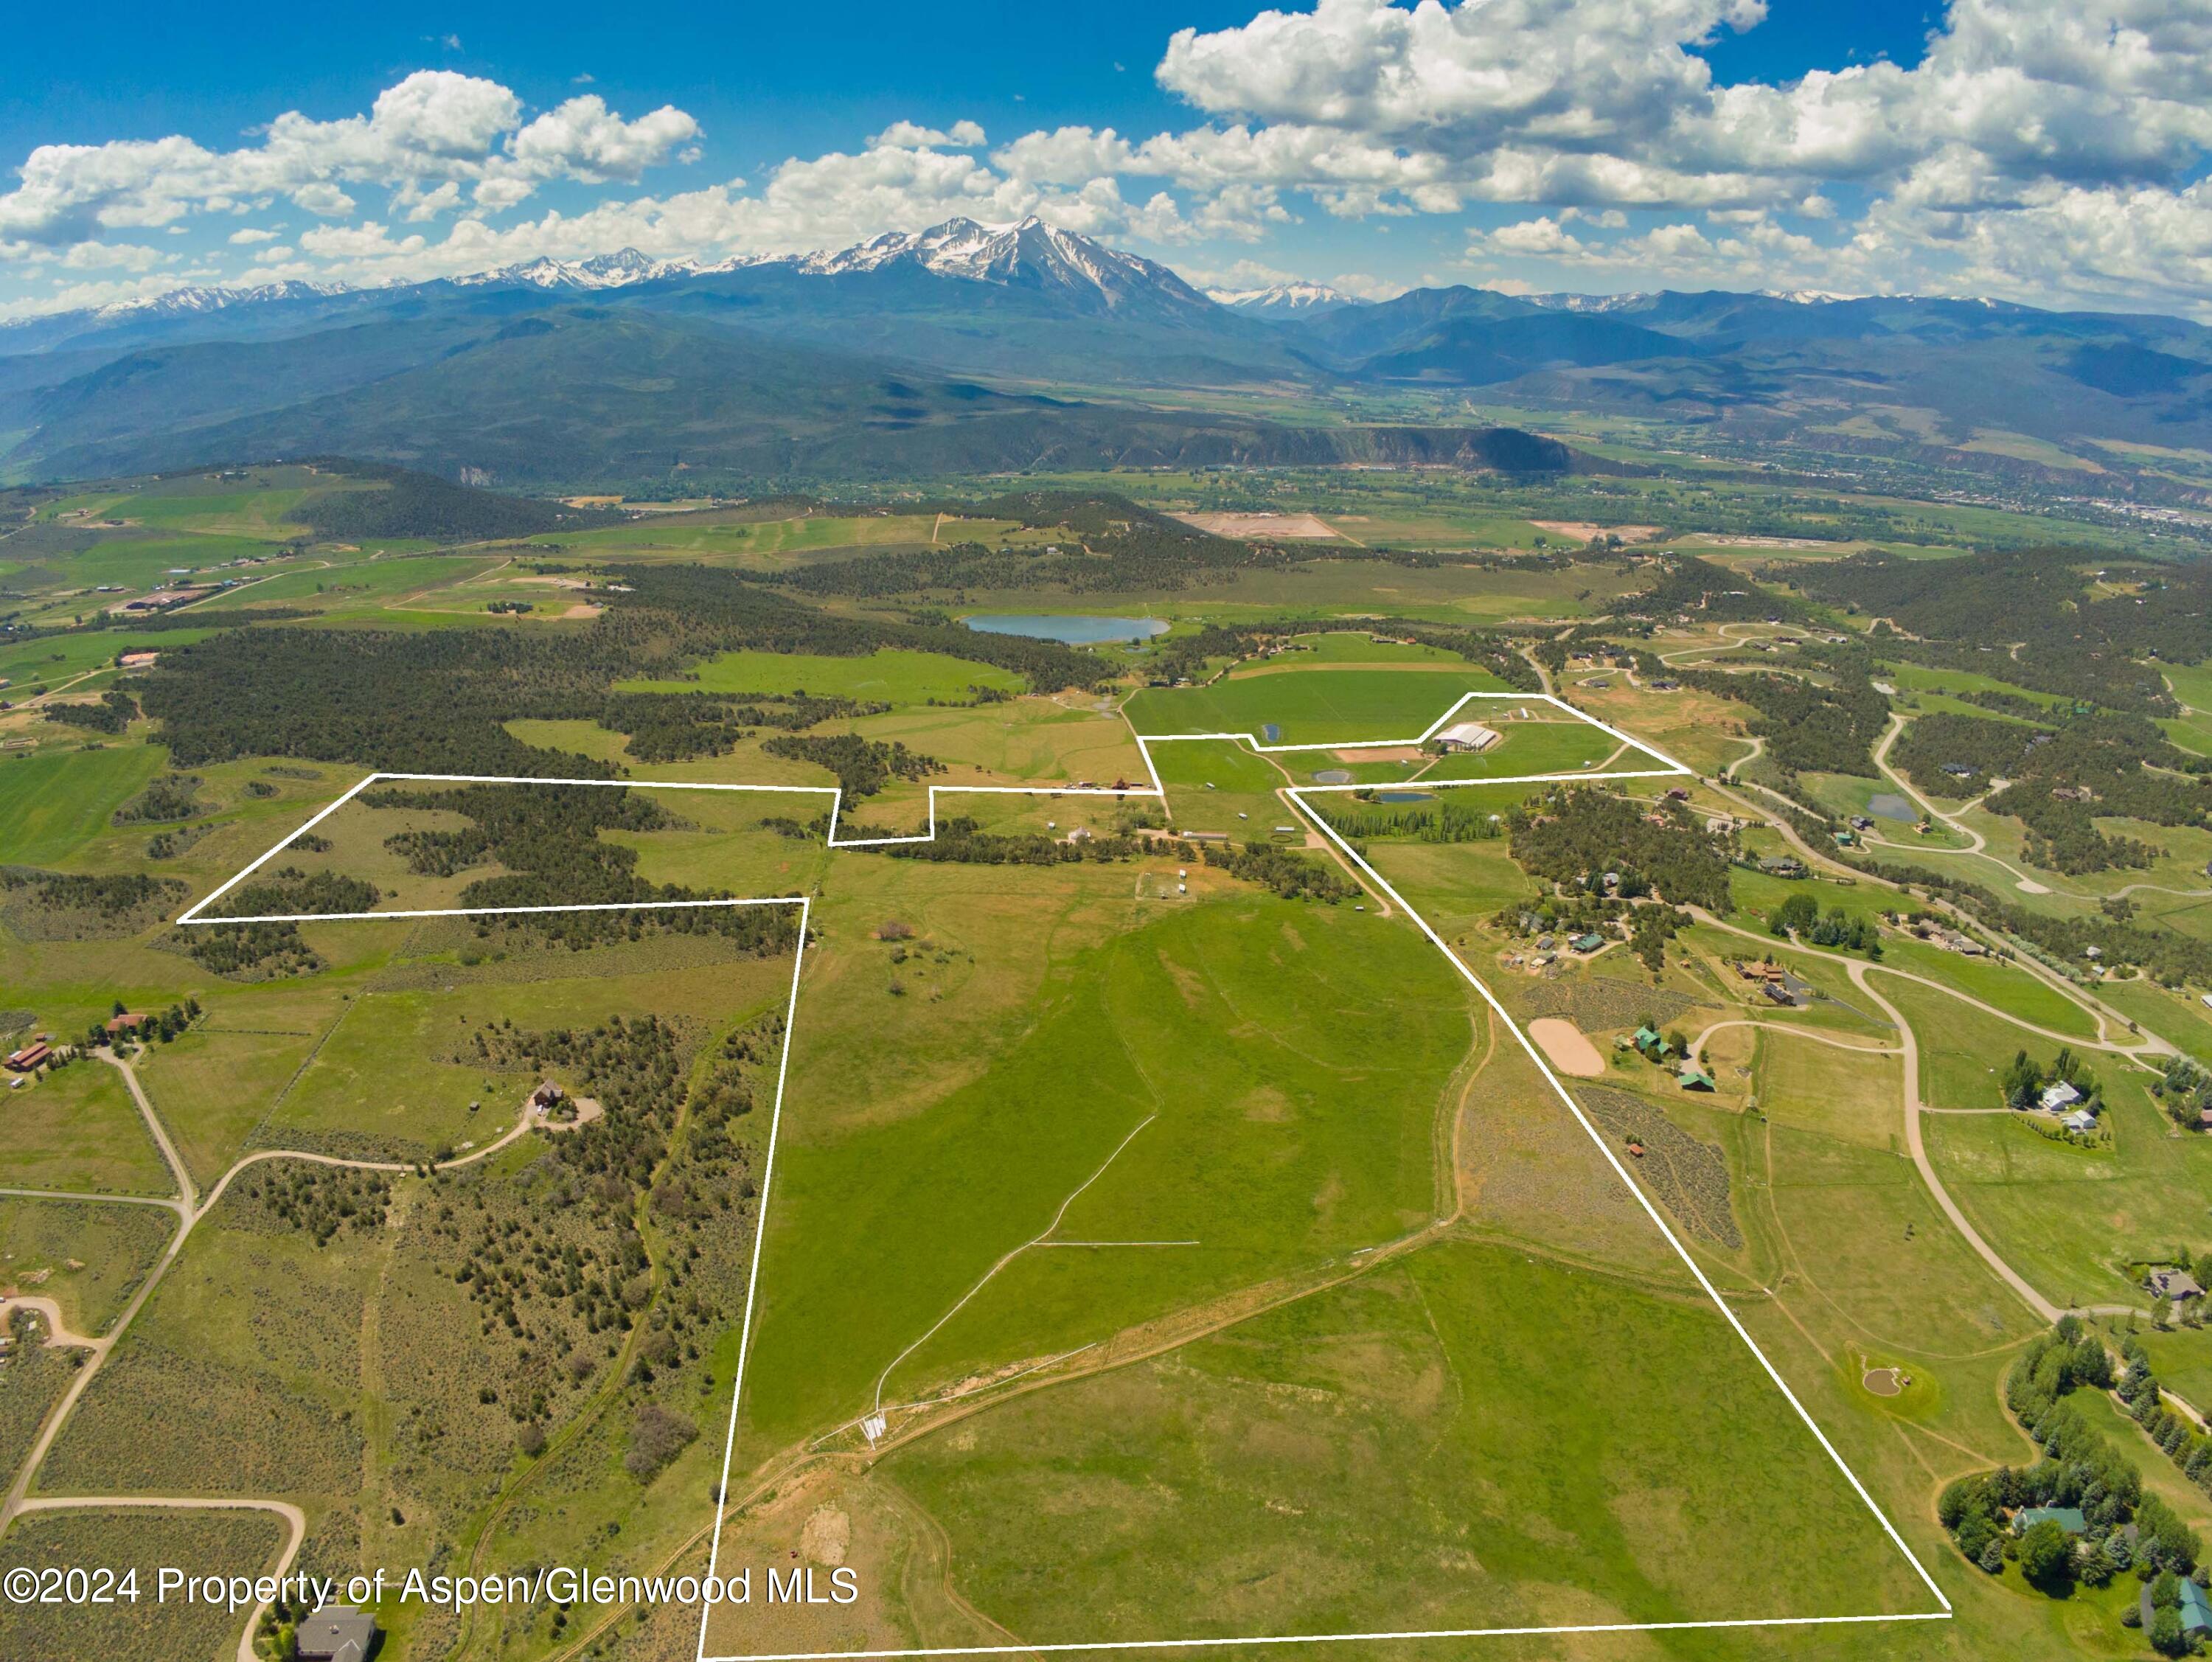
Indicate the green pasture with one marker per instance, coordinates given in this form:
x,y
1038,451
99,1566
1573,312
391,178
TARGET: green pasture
x,y
2181,1018
58,657
1353,646
1210,782
76,1128
2070,1219
54,803
379,583
894,675
713,535
1286,1064
1381,1440
1029,740
1988,979
1324,706
1565,745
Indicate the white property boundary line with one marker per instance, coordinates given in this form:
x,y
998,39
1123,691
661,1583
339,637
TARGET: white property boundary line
x,y
1298,794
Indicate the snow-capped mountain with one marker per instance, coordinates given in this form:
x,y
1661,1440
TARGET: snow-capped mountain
x,y
1078,274
1030,254
186,302
615,271
1595,303
1284,300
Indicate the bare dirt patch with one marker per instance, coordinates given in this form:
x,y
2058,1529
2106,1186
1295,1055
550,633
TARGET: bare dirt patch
x,y
1385,753
1298,527
583,609
1566,1047
1883,1381
827,1537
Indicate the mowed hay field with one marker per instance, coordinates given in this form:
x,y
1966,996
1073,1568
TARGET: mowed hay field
x,y
53,803
1286,1064
1318,705
1467,1437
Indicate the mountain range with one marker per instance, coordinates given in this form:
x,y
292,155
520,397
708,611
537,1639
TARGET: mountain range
x,y
968,347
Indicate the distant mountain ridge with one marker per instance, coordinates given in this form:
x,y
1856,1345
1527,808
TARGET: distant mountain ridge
x,y
974,312
1284,300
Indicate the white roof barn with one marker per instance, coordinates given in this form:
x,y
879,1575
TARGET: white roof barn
x,y
1467,735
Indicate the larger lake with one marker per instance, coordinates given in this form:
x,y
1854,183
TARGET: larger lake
x,y
1073,631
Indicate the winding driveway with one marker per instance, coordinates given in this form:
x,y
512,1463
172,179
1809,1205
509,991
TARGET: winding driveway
x,y
190,1208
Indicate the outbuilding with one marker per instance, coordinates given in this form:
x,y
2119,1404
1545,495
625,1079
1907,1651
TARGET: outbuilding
x,y
1467,735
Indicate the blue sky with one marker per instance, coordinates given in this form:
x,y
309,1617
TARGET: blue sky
x,y
2022,149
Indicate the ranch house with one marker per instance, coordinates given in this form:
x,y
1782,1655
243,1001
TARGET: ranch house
x,y
335,1633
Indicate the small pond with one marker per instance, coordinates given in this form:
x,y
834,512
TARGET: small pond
x,y
1888,804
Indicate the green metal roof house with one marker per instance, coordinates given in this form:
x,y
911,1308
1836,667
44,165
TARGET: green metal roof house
x,y
1694,1078
2069,1518
2196,1611
1587,943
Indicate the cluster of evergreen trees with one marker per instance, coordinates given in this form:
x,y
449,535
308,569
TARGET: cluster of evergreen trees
x,y
320,1200
288,889
962,842
1808,727
675,727
1573,836
1446,819
863,766
547,837
1801,916
1712,593
2063,779
2079,1469
1290,875
2071,640
248,950
115,711
113,895
168,797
